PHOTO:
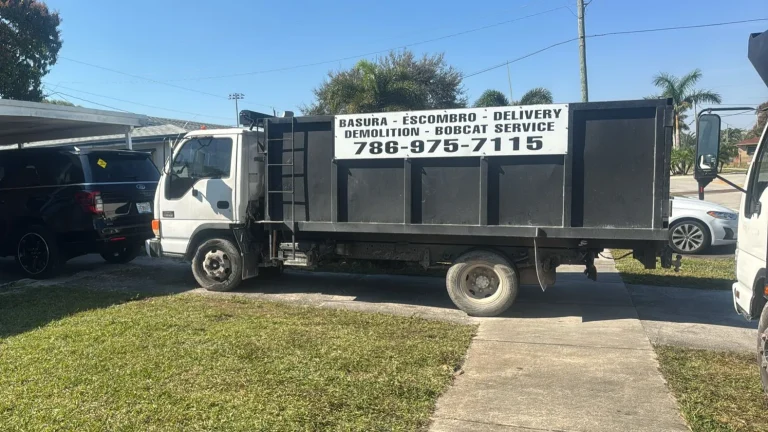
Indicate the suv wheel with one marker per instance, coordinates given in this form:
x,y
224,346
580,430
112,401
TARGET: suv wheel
x,y
37,253
121,253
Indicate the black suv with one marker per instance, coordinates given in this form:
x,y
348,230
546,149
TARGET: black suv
x,y
56,204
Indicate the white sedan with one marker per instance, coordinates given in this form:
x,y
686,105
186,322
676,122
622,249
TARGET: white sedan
x,y
696,225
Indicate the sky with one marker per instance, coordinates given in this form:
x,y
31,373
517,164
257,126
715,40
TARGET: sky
x,y
181,55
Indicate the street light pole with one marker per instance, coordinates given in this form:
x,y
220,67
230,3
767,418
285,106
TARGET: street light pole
x,y
236,97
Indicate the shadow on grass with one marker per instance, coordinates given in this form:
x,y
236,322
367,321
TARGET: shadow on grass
x,y
27,308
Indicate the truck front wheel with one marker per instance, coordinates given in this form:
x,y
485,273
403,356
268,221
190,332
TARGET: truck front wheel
x,y
762,347
482,283
217,265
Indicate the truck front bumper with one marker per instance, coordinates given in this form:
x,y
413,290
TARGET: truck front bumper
x,y
154,248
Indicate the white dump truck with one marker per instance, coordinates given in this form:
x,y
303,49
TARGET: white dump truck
x,y
505,194
750,290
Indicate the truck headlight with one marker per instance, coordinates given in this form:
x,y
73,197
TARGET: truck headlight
x,y
723,215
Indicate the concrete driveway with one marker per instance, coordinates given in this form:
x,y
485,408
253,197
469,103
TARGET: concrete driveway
x,y
717,192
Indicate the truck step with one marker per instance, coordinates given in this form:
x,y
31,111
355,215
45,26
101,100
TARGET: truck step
x,y
297,259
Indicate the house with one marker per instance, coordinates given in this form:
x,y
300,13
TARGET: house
x,y
746,151
156,138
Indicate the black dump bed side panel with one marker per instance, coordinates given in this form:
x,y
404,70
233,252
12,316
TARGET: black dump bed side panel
x,y
613,168
614,176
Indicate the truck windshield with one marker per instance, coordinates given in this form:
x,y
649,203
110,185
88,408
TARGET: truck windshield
x,y
203,157
116,167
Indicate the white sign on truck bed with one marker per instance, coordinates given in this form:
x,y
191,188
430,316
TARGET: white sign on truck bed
x,y
496,131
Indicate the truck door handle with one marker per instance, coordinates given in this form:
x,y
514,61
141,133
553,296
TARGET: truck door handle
x,y
223,205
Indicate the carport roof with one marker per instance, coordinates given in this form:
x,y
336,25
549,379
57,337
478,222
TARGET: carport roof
x,y
26,122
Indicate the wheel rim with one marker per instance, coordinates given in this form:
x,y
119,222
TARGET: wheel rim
x,y
480,282
217,265
763,348
33,253
687,237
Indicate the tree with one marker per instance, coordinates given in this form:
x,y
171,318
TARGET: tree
x,y
397,82
491,98
536,96
732,136
762,119
58,102
684,95
30,44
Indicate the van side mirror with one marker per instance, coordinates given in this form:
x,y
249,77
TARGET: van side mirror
x,y
707,146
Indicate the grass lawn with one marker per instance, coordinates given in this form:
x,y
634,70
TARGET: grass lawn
x,y
716,391
699,272
73,359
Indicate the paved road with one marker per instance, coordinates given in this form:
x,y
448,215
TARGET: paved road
x,y
717,191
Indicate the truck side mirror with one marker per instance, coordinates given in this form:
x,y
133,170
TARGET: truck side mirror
x,y
707,146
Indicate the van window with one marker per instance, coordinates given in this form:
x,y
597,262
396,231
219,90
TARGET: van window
x,y
116,167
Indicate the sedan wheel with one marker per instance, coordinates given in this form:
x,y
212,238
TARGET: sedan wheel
x,y
689,237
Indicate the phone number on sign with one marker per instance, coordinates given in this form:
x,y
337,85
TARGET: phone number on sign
x,y
452,145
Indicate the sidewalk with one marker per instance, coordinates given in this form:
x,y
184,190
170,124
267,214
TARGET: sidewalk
x,y
575,358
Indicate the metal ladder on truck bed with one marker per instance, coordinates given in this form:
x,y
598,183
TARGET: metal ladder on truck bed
x,y
274,248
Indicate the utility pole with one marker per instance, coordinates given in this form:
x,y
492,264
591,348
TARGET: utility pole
x,y
236,97
509,79
582,52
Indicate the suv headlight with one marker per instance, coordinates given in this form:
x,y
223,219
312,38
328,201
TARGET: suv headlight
x,y
723,215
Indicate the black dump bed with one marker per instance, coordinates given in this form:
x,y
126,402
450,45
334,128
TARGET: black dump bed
x,y
598,173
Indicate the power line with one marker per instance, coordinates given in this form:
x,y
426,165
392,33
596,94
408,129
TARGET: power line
x,y
286,68
140,104
613,34
143,78
92,102
738,113
520,58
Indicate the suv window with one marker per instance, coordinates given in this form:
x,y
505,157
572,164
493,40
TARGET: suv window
x,y
118,167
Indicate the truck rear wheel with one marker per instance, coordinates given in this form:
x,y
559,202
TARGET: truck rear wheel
x,y
217,265
762,347
482,283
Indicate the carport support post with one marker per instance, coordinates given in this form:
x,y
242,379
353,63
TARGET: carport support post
x,y
129,138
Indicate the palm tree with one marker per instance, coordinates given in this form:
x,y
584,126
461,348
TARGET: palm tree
x,y
399,81
491,98
684,95
536,96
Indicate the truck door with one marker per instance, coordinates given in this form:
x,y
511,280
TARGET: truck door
x,y
753,224
198,190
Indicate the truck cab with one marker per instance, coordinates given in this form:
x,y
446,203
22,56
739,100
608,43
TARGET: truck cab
x,y
200,194
750,291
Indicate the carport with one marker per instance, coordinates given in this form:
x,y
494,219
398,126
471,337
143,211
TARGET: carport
x,y
27,122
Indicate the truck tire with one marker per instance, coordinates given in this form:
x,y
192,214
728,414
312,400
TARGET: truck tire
x,y
37,253
762,347
482,283
217,265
